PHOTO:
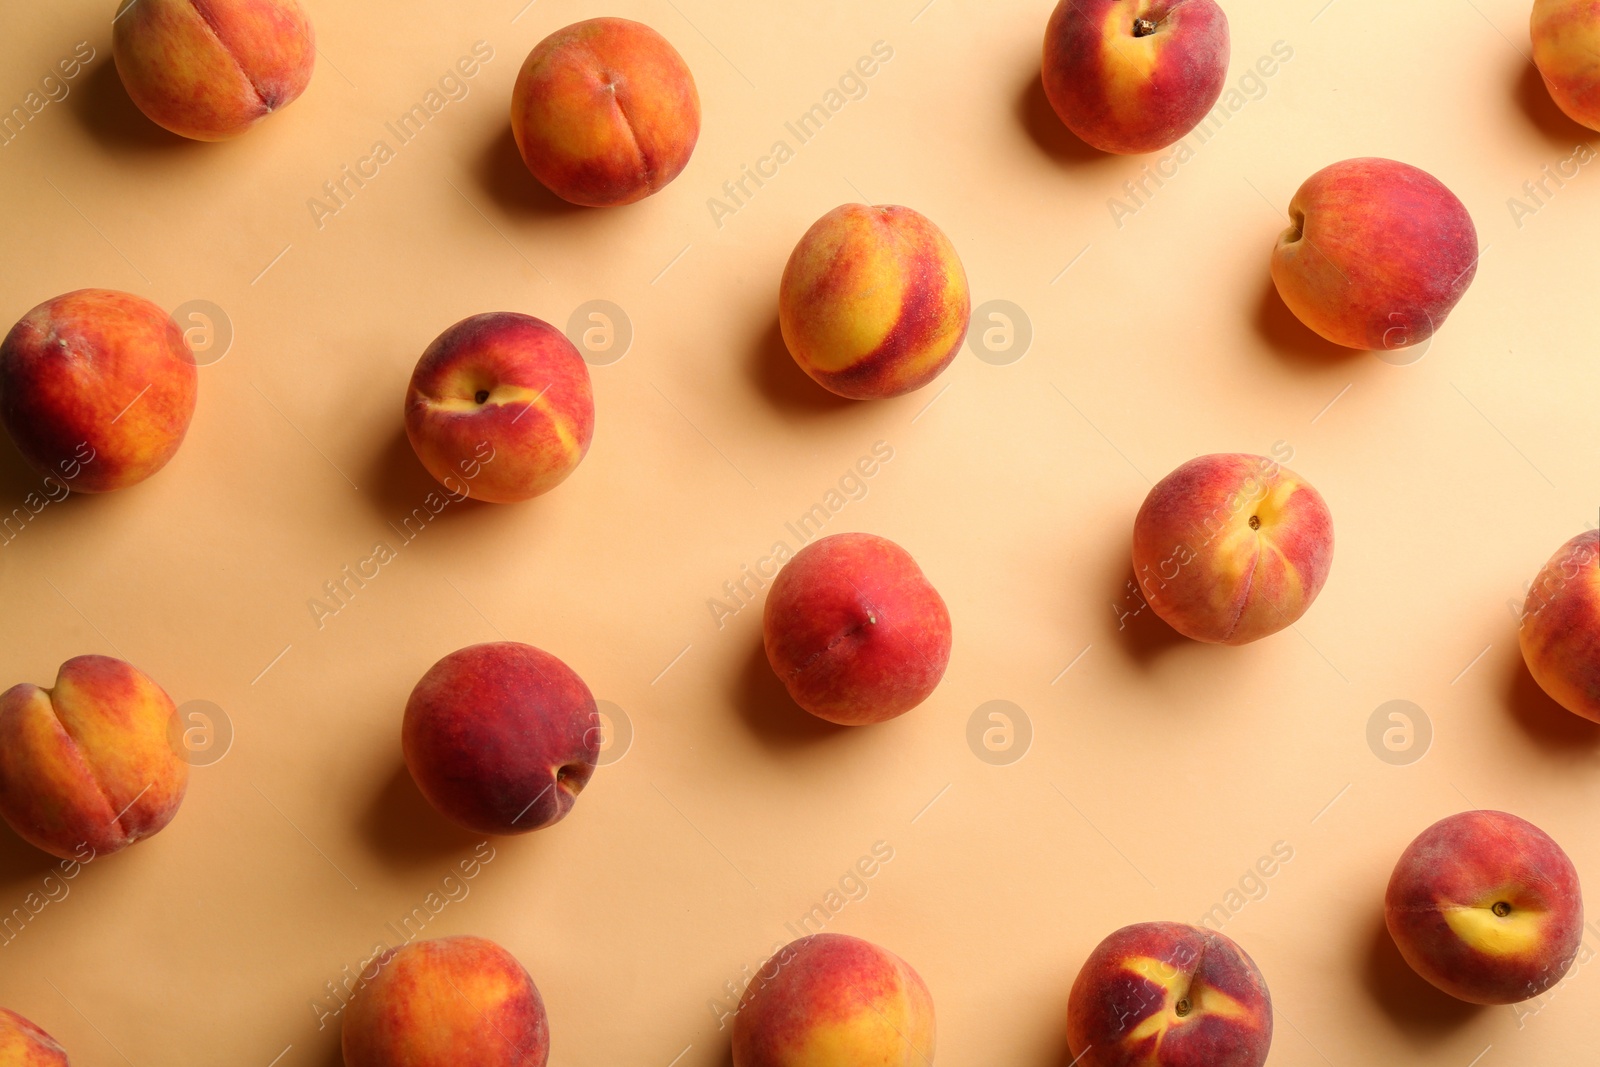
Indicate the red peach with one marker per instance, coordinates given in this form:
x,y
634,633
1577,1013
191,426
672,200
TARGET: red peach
x,y
1560,632
1566,39
22,1044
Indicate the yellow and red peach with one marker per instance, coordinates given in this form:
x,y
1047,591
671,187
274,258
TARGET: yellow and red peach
x,y
874,301
1231,548
855,630
605,112
1377,254
90,761
444,1003
1134,77
1162,994
97,389
211,69
1560,631
500,408
1566,40
501,737
22,1044
830,1000
1487,907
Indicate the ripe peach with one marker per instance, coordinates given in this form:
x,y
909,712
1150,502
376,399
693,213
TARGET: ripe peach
x,y
830,1000
1134,77
855,631
97,388
874,301
1561,626
1566,39
444,1003
1486,907
1169,995
22,1044
605,112
211,69
500,408
91,761
1230,548
501,737
1377,254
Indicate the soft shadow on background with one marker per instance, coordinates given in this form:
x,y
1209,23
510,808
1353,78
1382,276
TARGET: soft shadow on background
x,y
771,714
1049,133
405,831
1423,1013
397,483
110,116
1542,112
506,178
1552,727
783,383
1294,341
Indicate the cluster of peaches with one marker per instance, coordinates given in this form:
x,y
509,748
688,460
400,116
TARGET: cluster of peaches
x,y
97,389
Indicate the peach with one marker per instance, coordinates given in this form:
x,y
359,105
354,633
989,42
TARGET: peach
x,y
444,1003
1134,77
1560,631
855,630
1230,548
501,737
1486,907
605,112
1164,994
97,389
1377,254
834,1001
211,69
500,408
874,302
23,1044
90,761
1566,40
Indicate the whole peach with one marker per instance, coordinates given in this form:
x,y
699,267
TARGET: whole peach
x,y
90,761
501,737
855,630
1566,40
1165,994
1561,626
830,1000
1131,77
1377,254
447,1003
1486,907
22,1044
1230,548
500,408
97,389
605,112
211,69
874,301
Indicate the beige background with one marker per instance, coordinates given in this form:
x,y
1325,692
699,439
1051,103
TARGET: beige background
x,y
1159,771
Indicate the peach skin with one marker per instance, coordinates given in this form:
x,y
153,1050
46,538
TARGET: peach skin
x,y
1560,632
97,389
500,408
211,69
446,1003
1566,49
1131,77
90,761
22,1044
830,1000
855,630
1486,907
874,302
1377,254
1231,548
1165,994
605,112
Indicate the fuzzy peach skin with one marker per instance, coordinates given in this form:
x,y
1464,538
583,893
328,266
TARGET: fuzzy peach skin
x,y
91,760
1230,548
1560,632
1131,76
1377,254
1163,994
874,301
1486,907
500,408
501,737
830,1000
211,69
1566,49
855,630
97,389
605,112
446,1003
22,1044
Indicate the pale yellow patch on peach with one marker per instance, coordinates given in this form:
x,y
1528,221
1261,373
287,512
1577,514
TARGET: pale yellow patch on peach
x,y
1203,999
1520,933
867,302
61,771
125,747
880,1034
1129,61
